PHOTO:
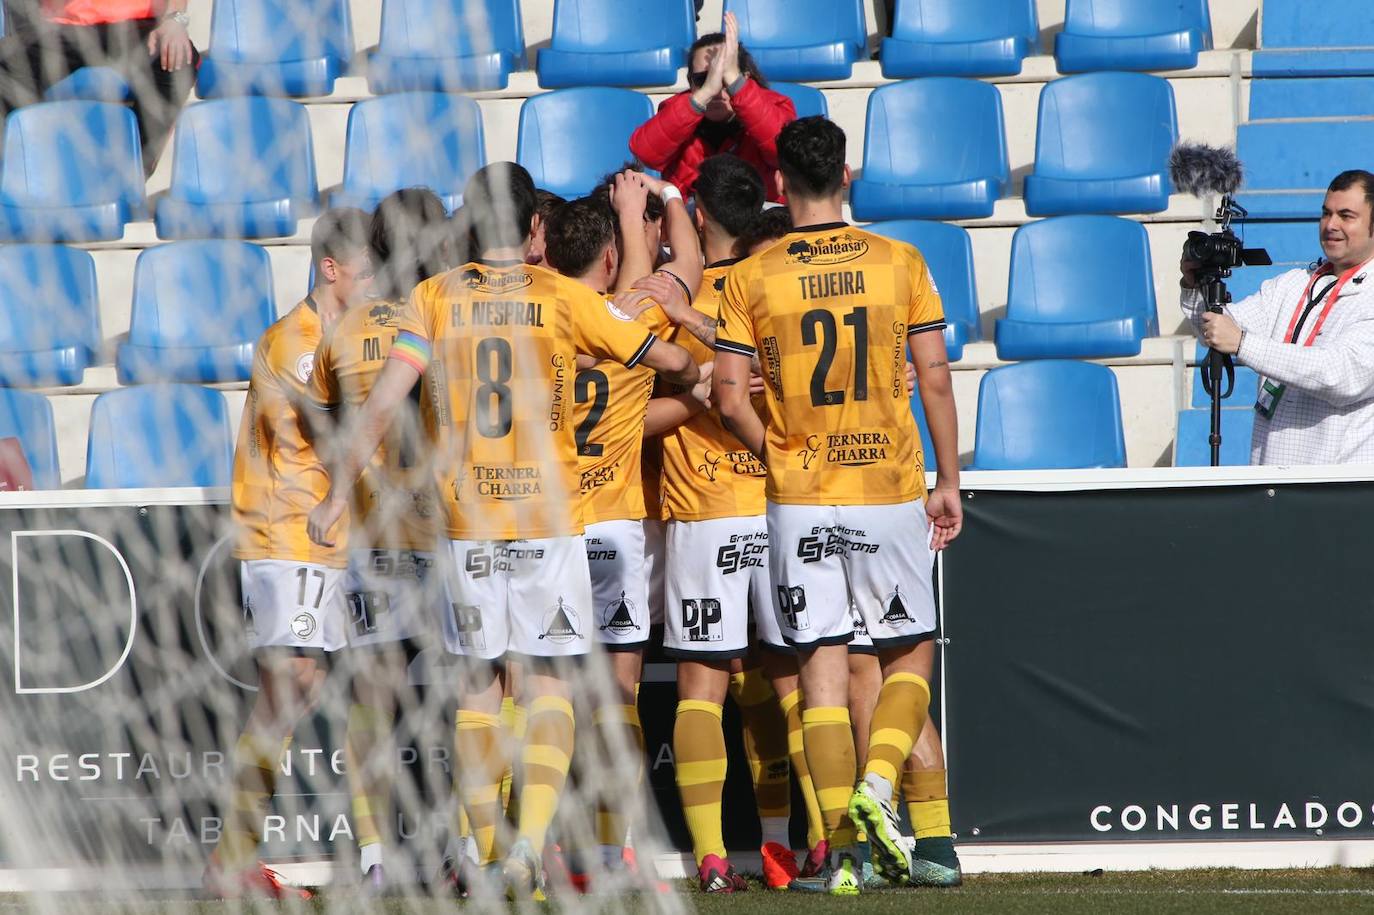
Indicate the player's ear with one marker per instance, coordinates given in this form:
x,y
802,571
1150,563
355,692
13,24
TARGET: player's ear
x,y
699,218
848,177
329,269
780,183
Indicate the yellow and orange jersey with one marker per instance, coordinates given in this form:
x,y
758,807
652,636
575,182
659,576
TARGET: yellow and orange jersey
x,y
611,401
707,473
394,504
278,479
828,310
497,343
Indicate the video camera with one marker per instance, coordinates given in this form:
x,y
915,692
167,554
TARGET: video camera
x,y
1205,171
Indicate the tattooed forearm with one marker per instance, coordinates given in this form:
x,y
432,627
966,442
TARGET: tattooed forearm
x,y
937,363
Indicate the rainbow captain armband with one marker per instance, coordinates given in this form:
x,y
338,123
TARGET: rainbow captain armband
x,y
412,349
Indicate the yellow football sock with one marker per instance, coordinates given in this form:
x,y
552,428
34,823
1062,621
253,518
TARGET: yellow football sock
x,y
369,771
765,743
830,754
699,748
544,765
927,802
791,709
619,726
479,748
897,720
255,779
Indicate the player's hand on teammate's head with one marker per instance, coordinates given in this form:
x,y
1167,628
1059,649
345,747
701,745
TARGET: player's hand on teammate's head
x,y
654,185
945,511
668,293
629,193
910,379
323,518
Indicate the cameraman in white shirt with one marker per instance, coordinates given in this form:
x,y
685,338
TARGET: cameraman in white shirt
x,y
1309,333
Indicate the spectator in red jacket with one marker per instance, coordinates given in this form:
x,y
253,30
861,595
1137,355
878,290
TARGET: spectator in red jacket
x,y
728,109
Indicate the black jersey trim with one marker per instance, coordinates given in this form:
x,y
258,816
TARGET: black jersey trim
x,y
922,328
739,349
641,352
818,227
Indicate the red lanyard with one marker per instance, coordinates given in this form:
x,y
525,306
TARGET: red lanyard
x,y
1333,293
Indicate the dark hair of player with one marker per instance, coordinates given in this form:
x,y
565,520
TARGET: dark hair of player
x,y
410,241
653,206
730,192
577,234
498,203
337,234
747,65
1348,179
769,225
545,202
811,157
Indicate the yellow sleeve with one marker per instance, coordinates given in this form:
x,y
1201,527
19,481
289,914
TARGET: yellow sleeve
x,y
324,384
925,311
735,326
598,332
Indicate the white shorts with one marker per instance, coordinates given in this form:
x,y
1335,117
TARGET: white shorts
x,y
389,595
620,587
875,559
717,570
655,557
527,597
297,605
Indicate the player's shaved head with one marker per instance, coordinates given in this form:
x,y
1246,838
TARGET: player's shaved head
x,y
811,157
338,235
499,204
577,235
730,193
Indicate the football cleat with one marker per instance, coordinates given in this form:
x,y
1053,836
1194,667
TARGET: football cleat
x,y
717,876
523,873
846,878
374,881
934,863
879,822
815,860
779,866
258,881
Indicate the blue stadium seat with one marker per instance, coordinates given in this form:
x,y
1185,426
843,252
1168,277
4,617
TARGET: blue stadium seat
x,y
1191,445
199,306
1081,287
447,46
960,38
803,40
1246,281
1321,97
92,84
1288,166
918,411
569,138
1048,415
949,255
159,435
1133,35
71,172
1243,394
28,417
1102,145
276,47
1296,42
241,168
49,315
617,43
411,139
934,148
807,100
1289,242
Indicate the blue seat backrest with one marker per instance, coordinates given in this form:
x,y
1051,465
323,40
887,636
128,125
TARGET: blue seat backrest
x,y
452,28
622,25
1081,268
1049,414
412,139
1129,18
807,100
159,435
571,137
268,31
796,23
243,149
28,417
1105,125
948,252
201,293
966,20
934,130
72,153
48,299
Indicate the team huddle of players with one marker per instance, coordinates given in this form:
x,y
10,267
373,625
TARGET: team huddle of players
x,y
552,436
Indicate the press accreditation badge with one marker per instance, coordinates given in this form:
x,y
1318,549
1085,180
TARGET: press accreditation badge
x,y
1270,393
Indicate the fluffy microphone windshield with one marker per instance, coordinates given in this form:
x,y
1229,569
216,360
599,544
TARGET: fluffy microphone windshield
x,y
1199,170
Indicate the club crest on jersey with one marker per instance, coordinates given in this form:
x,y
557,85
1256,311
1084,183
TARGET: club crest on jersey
x,y
834,249
480,280
808,454
561,624
303,625
701,618
305,367
619,616
894,608
793,602
467,620
616,312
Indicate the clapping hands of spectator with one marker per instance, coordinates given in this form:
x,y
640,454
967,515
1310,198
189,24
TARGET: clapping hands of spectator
x,y
729,52
715,79
170,44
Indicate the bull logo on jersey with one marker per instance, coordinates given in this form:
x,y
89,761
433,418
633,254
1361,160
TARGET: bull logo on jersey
x,y
701,618
467,620
808,454
619,616
719,283
304,625
712,461
792,600
821,252
561,624
894,608
480,280
383,314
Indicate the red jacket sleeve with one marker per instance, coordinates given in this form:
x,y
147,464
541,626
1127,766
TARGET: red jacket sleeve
x,y
658,140
763,113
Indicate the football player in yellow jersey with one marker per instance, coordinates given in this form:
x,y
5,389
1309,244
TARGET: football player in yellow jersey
x,y
496,341
292,595
831,312
394,529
